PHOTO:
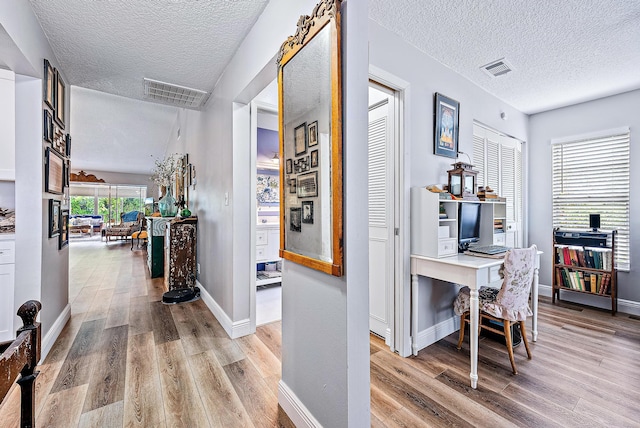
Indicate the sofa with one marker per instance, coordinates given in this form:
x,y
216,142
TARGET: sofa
x,y
129,223
95,221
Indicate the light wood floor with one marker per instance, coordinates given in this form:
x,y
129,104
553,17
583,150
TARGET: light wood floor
x,y
125,359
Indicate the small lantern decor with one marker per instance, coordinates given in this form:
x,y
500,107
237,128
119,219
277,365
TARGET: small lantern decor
x,y
462,180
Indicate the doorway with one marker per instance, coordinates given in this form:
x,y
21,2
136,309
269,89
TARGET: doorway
x,y
383,211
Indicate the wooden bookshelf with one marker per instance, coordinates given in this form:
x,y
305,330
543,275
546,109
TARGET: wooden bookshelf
x,y
584,262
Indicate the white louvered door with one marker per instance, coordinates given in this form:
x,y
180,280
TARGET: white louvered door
x,y
381,224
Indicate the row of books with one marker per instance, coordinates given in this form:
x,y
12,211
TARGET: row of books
x,y
598,283
589,257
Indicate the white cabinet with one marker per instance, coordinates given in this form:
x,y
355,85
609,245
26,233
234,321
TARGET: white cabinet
x,y
7,280
267,250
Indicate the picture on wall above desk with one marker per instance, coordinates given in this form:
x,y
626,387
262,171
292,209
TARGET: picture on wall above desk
x,y
447,112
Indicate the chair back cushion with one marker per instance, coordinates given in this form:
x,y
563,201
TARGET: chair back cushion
x,y
131,216
512,302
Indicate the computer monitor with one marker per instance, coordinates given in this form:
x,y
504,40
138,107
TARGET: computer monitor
x,y
468,224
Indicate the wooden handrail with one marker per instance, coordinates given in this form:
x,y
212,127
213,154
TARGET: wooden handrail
x,y
20,357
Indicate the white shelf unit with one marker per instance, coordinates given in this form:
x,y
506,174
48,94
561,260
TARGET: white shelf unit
x,y
439,238
267,249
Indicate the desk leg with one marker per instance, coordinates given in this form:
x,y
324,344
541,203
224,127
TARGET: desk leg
x,y
534,303
414,314
473,338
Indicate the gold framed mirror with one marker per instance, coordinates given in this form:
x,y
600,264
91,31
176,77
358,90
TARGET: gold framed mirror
x,y
310,115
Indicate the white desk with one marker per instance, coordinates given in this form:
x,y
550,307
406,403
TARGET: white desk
x,y
473,272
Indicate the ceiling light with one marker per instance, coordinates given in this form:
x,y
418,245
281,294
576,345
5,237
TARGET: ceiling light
x,y
176,95
497,68
275,158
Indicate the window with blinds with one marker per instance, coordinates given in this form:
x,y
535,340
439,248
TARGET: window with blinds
x,y
591,176
498,160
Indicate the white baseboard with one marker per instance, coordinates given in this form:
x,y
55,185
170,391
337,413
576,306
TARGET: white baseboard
x,y
441,330
53,333
626,306
293,407
233,329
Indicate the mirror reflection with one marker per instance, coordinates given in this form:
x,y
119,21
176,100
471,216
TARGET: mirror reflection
x,y
307,98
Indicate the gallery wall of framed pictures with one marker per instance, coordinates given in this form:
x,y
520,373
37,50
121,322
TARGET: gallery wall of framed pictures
x,y
56,151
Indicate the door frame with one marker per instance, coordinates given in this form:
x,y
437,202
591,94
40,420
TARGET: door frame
x,y
401,331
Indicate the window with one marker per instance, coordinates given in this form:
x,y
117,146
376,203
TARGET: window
x,y
498,160
109,201
591,176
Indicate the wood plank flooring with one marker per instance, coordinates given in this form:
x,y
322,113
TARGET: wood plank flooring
x,y
126,360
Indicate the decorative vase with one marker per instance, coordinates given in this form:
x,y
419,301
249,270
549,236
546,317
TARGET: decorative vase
x,y
185,212
167,205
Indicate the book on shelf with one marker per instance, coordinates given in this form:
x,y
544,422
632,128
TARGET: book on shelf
x,y
593,283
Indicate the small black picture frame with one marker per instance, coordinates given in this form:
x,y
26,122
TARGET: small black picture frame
x,y
447,115
307,212
47,126
59,100
54,218
49,82
292,186
295,219
289,166
313,133
314,159
300,139
68,144
63,237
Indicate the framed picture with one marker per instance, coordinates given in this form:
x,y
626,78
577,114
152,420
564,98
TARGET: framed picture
x,y
292,185
54,218
307,212
54,172
67,172
289,166
63,239
57,140
47,126
314,159
300,139
447,113
295,216
49,84
68,145
308,185
60,98
313,134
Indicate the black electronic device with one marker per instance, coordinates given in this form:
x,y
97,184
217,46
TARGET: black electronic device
x,y
594,222
584,238
468,224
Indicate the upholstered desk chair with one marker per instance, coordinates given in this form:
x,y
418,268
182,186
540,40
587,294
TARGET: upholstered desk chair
x,y
509,304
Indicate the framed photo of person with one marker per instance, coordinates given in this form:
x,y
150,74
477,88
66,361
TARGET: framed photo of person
x,y
295,214
447,113
313,134
307,212
314,159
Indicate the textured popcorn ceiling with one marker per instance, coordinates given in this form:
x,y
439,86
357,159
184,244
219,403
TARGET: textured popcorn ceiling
x,y
110,46
563,51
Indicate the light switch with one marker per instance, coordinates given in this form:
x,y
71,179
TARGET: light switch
x,y
226,198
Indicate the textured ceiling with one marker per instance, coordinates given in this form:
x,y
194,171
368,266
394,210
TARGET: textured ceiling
x,y
563,52
118,134
110,46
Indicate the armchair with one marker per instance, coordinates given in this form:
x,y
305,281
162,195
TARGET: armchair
x,y
129,223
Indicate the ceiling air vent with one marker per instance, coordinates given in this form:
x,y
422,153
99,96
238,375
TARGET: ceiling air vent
x,y
497,68
175,95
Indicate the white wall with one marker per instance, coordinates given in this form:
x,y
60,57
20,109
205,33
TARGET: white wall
x,y
424,77
37,256
605,113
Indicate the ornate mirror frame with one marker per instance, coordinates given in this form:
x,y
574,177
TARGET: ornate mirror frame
x,y
327,172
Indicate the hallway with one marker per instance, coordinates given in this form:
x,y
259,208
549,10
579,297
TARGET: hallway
x,y
126,359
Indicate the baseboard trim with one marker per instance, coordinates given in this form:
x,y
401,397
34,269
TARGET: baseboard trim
x,y
439,331
234,329
53,333
625,306
293,407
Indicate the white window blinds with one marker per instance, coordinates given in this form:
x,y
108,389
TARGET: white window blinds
x,y
591,176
